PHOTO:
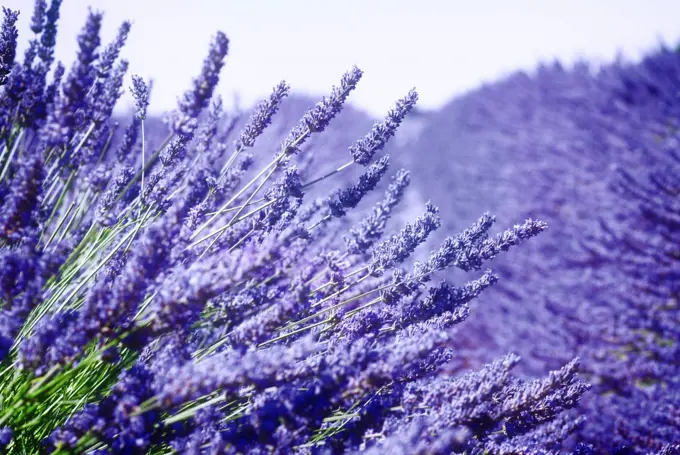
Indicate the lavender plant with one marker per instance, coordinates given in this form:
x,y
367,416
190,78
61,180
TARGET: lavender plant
x,y
179,301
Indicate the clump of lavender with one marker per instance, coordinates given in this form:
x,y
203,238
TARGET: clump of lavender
x,y
192,310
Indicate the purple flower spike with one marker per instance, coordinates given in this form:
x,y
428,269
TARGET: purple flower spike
x,y
350,197
364,235
262,116
8,43
111,52
38,18
21,205
67,118
230,371
184,120
5,437
364,149
396,249
317,118
140,92
48,38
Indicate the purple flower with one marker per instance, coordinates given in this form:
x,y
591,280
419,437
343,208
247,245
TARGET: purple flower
x,y
286,195
364,149
52,90
8,43
317,118
365,234
140,92
111,52
396,249
69,113
122,178
38,18
20,207
350,197
262,116
106,93
114,420
261,368
5,437
48,38
184,120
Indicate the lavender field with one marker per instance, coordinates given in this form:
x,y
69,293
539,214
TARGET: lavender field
x,y
497,276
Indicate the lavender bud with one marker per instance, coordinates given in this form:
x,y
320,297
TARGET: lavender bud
x,y
318,117
111,52
38,18
69,113
364,235
184,120
8,43
350,197
364,149
140,92
5,437
262,116
48,38
397,248
19,210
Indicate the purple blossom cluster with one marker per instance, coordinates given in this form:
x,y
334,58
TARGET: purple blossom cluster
x,y
168,297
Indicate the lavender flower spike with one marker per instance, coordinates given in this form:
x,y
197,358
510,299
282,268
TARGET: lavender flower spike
x,y
364,149
140,92
8,43
362,237
262,116
318,117
350,197
184,121
68,115
231,371
5,437
38,18
48,38
112,51
399,247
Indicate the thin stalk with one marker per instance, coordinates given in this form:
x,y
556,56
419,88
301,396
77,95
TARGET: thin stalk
x,y
259,175
143,158
59,224
59,201
235,217
94,271
8,163
273,164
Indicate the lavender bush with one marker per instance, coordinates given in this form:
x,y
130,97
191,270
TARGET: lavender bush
x,y
173,299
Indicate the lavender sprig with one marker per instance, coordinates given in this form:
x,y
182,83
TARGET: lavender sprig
x,y
8,43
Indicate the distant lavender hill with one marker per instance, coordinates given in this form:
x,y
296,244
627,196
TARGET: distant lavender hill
x,y
595,153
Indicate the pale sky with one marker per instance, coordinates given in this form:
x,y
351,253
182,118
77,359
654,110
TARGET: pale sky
x,y
441,47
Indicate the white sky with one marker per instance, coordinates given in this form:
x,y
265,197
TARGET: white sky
x,y
441,47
